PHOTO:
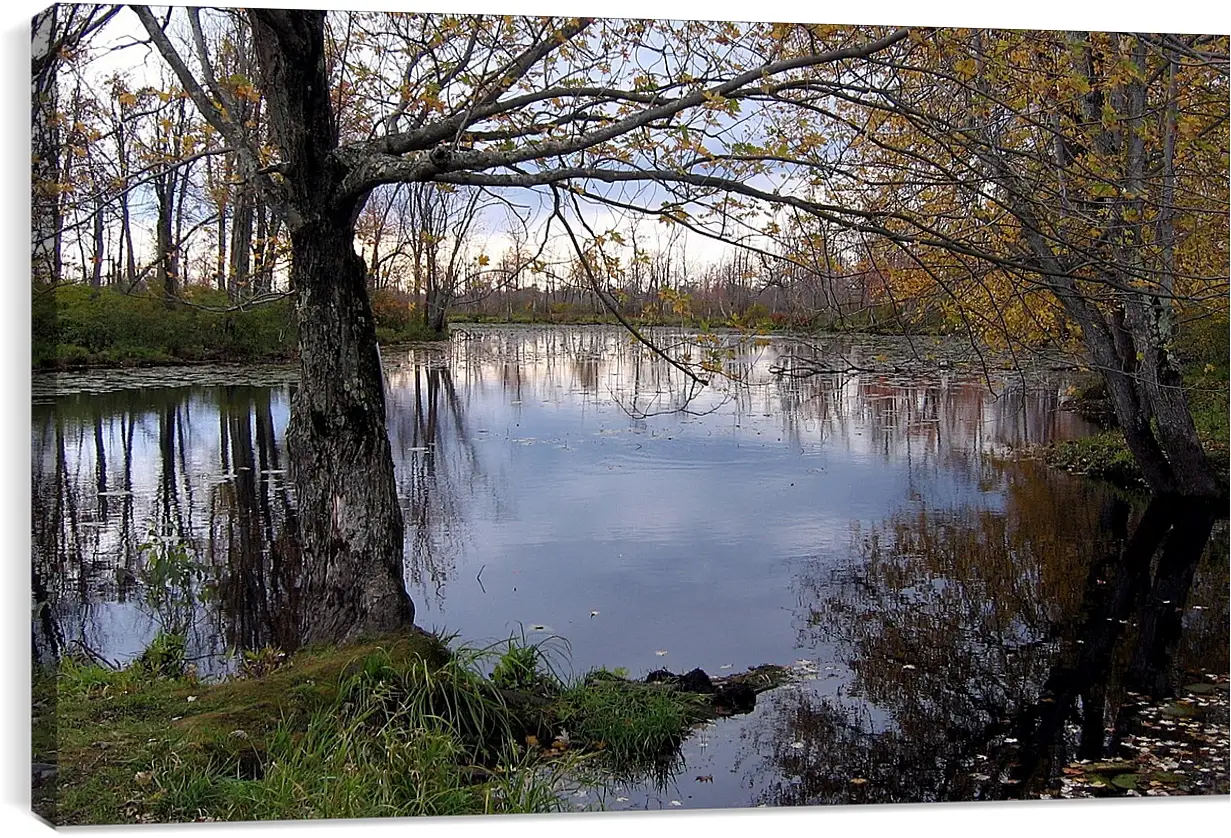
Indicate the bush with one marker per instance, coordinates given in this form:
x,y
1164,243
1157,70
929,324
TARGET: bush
x,y
393,310
165,656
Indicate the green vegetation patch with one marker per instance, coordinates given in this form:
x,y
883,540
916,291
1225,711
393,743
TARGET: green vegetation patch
x,y
75,325
389,727
1104,456
634,725
1204,350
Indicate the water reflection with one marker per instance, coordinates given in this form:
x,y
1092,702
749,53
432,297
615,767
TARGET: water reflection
x,y
436,458
870,522
251,525
204,464
988,646
545,474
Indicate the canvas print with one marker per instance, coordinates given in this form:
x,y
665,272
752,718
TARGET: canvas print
x,y
460,414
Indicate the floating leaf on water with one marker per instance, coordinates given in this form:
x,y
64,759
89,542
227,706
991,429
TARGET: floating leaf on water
x,y
538,627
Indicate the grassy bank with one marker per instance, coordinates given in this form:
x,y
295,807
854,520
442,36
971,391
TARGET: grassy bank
x,y
390,727
756,318
75,326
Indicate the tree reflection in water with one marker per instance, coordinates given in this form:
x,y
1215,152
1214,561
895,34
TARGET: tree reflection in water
x,y
989,646
436,461
206,467
252,526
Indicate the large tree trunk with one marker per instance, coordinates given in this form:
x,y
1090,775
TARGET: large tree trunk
x,y
1150,404
350,523
350,520
1128,343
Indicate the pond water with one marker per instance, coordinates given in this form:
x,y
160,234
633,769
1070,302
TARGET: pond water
x,y
872,528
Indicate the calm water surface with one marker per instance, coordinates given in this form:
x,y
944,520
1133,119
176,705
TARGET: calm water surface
x,y
869,529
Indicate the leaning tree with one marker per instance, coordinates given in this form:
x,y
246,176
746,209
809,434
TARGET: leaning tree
x,y
1042,179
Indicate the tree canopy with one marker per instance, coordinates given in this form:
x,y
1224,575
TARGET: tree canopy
x,y
1041,187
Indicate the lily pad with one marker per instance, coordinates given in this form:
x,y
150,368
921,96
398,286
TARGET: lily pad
x,y
1110,767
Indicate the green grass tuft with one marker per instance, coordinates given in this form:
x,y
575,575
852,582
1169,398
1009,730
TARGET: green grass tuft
x,y
634,725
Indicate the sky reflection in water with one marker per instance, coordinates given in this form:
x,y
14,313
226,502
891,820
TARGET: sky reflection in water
x,y
851,522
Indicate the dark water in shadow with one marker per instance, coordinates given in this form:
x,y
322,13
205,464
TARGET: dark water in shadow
x,y
867,526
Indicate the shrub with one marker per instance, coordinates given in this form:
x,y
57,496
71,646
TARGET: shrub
x,y
165,656
393,310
